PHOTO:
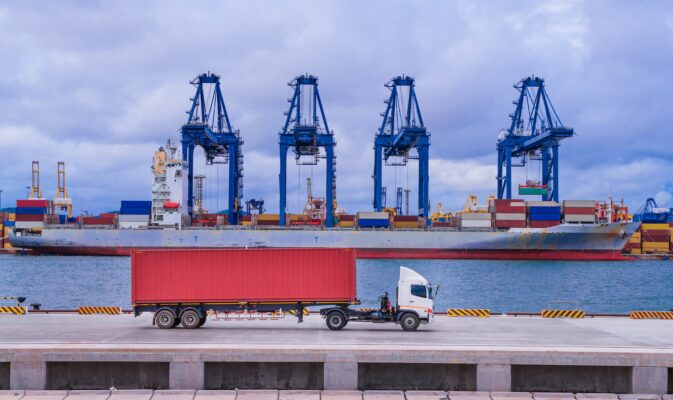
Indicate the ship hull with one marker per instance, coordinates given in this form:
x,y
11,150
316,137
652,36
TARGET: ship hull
x,y
563,242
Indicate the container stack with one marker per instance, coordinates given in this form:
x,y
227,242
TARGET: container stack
x,y
579,211
246,220
475,220
373,219
509,213
633,246
106,220
134,214
405,221
30,214
347,221
543,214
267,219
655,237
8,222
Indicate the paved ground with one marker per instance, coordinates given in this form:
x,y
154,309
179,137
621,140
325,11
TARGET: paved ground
x,y
307,395
511,332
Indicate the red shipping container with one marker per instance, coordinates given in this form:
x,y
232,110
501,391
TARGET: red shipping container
x,y
508,202
630,246
650,235
242,275
246,218
405,218
579,210
268,222
346,217
443,224
98,220
29,217
543,224
33,203
510,209
510,224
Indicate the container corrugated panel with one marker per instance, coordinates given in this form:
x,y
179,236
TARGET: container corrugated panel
x,y
136,203
542,204
544,210
9,223
543,224
31,210
579,203
510,216
240,275
29,217
346,224
510,209
509,202
405,224
510,224
372,223
133,218
579,218
655,235
405,218
39,203
579,210
476,216
373,215
268,222
346,217
475,223
656,246
268,217
29,225
545,217
132,225
651,226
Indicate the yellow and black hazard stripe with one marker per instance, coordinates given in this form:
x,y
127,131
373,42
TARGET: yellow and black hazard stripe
x,y
99,310
306,311
651,314
16,310
562,314
468,312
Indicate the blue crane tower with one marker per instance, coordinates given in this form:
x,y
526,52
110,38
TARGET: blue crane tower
x,y
306,131
535,133
208,126
402,130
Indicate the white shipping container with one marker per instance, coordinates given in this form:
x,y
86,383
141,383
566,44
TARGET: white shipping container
x,y
541,204
134,218
132,225
579,203
510,216
29,225
475,223
373,215
580,218
476,216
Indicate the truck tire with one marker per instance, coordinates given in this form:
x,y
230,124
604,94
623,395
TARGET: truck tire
x,y
410,322
336,320
190,319
165,319
203,321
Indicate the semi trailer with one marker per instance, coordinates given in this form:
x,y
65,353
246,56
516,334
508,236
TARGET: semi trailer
x,y
182,287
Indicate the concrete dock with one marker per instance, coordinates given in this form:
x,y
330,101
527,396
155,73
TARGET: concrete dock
x,y
497,354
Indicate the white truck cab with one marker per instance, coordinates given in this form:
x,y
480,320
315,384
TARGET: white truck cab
x,y
415,304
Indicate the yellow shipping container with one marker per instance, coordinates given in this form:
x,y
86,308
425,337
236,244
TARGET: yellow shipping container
x,y
655,227
636,251
671,235
295,217
405,224
634,241
11,217
347,224
268,217
636,234
655,246
246,223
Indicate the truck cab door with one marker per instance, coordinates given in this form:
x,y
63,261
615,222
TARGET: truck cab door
x,y
413,293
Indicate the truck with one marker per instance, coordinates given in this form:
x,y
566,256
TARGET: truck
x,y
184,286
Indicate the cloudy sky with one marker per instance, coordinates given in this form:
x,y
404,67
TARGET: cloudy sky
x,y
101,84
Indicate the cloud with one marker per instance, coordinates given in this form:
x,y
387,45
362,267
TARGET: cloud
x,y
101,85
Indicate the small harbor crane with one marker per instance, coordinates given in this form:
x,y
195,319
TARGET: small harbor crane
x,y
306,132
62,201
35,192
402,131
534,133
208,127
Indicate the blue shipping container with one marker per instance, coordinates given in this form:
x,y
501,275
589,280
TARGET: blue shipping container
x,y
545,217
134,211
72,220
9,223
373,223
136,204
62,219
31,210
544,210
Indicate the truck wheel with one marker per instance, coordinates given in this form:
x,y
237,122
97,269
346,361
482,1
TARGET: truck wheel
x,y
190,319
164,319
202,321
410,322
336,320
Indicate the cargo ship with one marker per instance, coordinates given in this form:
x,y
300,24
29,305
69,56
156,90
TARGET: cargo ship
x,y
560,242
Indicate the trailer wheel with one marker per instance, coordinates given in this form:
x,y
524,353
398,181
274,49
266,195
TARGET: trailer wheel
x,y
410,322
165,319
190,319
202,321
336,320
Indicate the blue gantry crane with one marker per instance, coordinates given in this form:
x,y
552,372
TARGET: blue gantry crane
x,y
306,131
402,131
534,133
208,127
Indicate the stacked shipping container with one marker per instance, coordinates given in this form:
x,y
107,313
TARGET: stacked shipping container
x,y
30,213
346,221
634,246
406,221
373,219
655,237
509,213
543,214
475,220
579,211
134,214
